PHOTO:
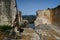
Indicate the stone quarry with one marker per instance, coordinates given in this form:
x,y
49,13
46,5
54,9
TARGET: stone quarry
x,y
49,16
47,23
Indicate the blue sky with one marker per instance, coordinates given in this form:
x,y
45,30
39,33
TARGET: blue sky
x,y
29,7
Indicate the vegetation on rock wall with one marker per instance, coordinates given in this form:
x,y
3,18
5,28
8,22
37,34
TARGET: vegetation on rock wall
x,y
5,27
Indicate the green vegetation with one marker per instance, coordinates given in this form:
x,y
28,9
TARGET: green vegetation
x,y
30,18
5,27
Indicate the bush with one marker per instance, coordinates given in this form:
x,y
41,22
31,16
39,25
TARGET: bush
x,y
5,27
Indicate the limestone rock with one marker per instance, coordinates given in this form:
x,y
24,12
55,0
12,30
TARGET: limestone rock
x,y
7,11
29,34
49,16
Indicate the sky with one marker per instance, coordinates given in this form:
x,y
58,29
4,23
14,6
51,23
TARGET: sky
x,y
29,7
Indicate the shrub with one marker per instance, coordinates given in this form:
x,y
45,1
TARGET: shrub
x,y
5,27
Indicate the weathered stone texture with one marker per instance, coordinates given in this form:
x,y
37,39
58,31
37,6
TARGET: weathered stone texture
x,y
49,16
57,15
29,34
7,12
43,17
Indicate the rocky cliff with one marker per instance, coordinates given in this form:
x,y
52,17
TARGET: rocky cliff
x,y
49,16
7,11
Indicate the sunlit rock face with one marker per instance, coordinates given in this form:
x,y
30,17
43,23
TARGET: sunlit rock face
x,y
7,11
43,17
13,10
49,16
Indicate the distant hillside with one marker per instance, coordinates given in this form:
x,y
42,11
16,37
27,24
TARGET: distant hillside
x,y
30,18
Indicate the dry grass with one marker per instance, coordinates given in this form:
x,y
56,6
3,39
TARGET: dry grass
x,y
1,35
